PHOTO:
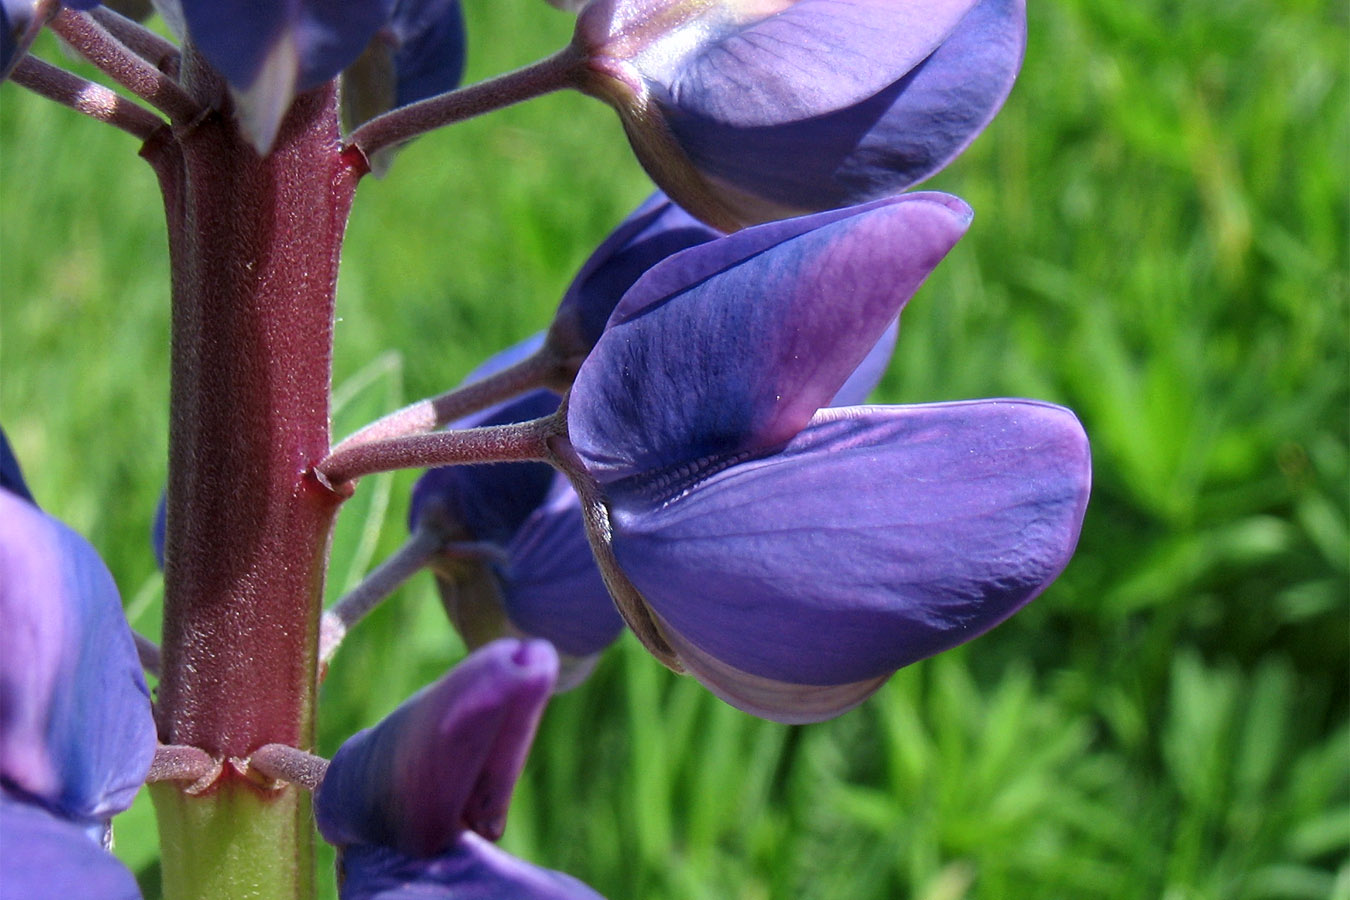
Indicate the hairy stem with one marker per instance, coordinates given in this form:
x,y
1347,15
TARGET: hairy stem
x,y
96,44
94,100
282,763
405,562
175,762
523,442
550,74
541,369
160,53
253,246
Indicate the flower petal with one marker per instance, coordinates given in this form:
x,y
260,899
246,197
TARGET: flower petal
x,y
655,230
418,54
730,347
551,586
471,869
48,858
429,58
808,58
238,36
11,476
897,136
867,376
269,52
756,110
878,537
447,759
77,733
18,27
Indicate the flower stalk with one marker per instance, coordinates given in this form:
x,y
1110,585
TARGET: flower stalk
x,y
550,74
93,100
254,247
523,442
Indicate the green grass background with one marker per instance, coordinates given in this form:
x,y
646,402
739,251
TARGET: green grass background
x,y
1160,243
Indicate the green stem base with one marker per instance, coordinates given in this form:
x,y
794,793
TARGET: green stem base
x,y
224,843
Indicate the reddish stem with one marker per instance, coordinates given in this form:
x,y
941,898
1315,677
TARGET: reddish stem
x,y
254,248
552,73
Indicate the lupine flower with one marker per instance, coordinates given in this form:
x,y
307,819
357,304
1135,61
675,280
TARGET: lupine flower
x,y
792,557
518,563
409,802
76,734
750,110
516,560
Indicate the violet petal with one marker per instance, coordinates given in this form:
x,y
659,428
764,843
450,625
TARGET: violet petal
x,y
867,376
470,869
876,538
488,501
655,230
418,54
748,112
239,36
48,858
429,58
11,476
77,733
447,759
550,584
730,347
880,145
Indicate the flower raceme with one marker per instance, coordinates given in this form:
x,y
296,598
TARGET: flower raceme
x,y
792,557
413,803
745,111
76,734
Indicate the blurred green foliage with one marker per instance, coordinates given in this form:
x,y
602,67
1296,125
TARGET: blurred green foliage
x,y
1160,243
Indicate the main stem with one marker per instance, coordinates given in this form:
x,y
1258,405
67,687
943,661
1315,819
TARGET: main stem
x,y
254,246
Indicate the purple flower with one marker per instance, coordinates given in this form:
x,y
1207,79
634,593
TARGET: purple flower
x,y
76,733
750,110
46,856
11,477
792,557
406,802
301,43
470,868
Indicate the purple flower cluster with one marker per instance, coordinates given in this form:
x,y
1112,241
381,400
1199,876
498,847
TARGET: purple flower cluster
x,y
712,477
